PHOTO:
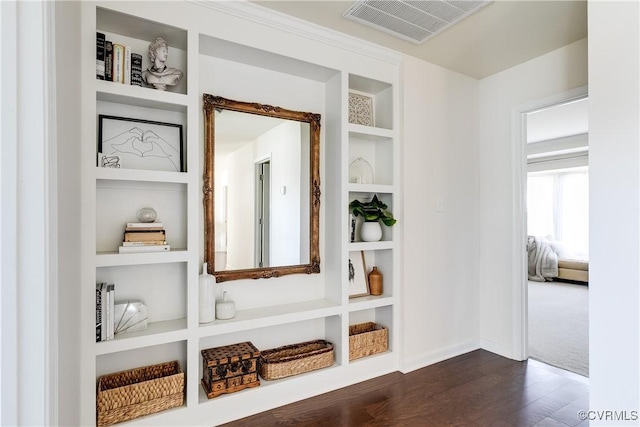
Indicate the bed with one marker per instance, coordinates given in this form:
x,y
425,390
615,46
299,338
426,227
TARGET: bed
x,y
553,260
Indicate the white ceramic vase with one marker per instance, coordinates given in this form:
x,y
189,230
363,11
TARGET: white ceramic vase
x,y
370,231
207,296
225,309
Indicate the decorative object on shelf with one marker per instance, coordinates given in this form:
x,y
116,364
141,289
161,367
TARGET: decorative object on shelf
x,y
366,339
147,215
295,359
361,172
357,275
360,109
225,309
158,74
207,296
141,144
372,212
126,395
130,316
229,368
110,162
375,282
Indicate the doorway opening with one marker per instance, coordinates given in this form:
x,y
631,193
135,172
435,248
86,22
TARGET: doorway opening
x,y
556,222
262,216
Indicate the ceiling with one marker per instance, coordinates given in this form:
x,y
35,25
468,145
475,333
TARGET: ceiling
x,y
499,36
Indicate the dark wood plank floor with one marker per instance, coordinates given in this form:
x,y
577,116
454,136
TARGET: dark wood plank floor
x,y
474,389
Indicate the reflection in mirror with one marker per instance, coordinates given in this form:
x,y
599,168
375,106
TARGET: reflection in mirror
x,y
261,190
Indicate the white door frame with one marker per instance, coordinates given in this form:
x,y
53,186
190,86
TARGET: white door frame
x,y
519,211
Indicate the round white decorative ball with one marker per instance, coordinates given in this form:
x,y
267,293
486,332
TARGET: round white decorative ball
x,y
147,215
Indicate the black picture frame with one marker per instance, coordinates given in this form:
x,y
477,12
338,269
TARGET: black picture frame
x,y
129,143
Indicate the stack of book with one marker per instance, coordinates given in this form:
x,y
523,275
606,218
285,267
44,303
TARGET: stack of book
x,y
116,63
144,237
105,311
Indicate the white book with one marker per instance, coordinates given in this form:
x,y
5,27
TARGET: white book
x,y
145,225
149,248
149,243
112,298
127,65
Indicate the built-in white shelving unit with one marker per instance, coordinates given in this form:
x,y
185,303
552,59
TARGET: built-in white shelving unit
x,y
220,52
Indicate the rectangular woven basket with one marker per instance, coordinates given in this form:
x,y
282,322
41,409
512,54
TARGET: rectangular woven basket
x,y
366,339
295,359
131,394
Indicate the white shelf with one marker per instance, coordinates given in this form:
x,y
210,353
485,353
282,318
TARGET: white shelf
x,y
370,188
156,333
115,259
370,132
141,175
271,316
140,96
371,246
370,301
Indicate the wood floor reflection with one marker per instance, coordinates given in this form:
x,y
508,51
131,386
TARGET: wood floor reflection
x,y
474,389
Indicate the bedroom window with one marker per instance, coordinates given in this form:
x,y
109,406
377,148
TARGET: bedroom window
x,y
558,207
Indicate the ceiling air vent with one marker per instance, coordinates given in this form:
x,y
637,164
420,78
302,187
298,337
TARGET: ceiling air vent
x,y
412,20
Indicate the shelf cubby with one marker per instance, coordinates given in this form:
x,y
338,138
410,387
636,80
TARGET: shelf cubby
x,y
161,287
119,201
387,232
382,97
138,33
373,152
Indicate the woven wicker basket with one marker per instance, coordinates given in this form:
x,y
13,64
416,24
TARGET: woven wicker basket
x,y
366,339
131,394
295,359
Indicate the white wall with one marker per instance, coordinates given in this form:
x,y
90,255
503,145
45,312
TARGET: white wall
x,y
440,249
69,214
500,95
614,275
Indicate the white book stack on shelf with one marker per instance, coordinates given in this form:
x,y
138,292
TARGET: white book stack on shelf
x,y
144,237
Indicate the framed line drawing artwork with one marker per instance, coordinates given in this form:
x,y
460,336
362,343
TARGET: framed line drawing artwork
x,y
357,275
129,143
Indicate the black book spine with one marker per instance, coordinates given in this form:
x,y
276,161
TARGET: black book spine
x,y
108,61
100,43
136,69
98,314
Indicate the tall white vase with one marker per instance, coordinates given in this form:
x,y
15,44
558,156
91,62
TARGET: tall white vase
x,y
207,296
370,231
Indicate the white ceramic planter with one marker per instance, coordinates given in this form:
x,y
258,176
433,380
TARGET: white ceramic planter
x,y
371,231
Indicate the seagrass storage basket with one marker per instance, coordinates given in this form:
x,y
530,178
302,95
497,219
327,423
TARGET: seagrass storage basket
x,y
142,391
295,359
366,339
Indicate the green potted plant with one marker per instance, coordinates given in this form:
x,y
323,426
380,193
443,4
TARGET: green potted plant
x,y
372,212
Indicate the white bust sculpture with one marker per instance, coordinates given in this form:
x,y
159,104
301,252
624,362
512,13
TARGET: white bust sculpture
x,y
158,74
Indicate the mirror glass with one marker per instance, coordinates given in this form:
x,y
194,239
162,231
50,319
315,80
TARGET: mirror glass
x,y
261,190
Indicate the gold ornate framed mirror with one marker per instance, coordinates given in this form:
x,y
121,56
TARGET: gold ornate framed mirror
x,y
261,190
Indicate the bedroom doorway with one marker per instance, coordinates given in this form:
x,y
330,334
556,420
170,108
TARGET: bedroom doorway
x,y
557,228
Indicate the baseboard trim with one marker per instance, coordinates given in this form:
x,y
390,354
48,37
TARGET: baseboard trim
x,y
426,359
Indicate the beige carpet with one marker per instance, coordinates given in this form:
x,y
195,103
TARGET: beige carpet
x,y
559,325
